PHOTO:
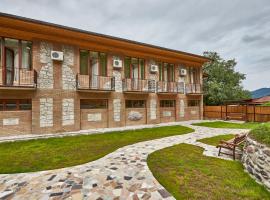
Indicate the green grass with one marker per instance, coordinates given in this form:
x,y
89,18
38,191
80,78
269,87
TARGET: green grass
x,y
214,141
266,104
261,134
53,153
221,124
187,174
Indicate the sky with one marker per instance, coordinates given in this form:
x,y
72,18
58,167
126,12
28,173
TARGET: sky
x,y
237,29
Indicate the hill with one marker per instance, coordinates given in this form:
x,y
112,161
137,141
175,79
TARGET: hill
x,y
260,93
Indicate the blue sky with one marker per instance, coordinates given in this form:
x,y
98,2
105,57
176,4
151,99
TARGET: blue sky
x,y
237,29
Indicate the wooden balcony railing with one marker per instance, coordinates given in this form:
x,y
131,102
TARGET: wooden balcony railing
x,y
19,77
170,87
193,88
95,82
138,85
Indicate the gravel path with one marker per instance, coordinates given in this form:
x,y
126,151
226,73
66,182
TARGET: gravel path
x,y
122,174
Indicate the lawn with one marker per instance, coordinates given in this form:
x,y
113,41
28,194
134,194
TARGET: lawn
x,y
221,124
187,174
261,134
214,141
53,153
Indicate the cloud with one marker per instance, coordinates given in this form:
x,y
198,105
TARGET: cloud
x,y
250,38
234,28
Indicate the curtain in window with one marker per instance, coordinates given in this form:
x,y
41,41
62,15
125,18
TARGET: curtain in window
x,y
26,55
142,68
103,64
84,59
127,67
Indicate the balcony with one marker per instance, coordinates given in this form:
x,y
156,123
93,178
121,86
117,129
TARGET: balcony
x,y
18,78
170,87
138,85
95,83
193,88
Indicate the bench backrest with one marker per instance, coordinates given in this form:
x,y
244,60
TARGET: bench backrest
x,y
239,139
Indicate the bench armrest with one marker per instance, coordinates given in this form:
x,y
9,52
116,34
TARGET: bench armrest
x,y
224,142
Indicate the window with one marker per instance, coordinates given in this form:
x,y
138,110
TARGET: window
x,y
94,104
135,103
193,103
26,55
134,68
166,72
167,103
194,75
15,104
93,63
14,54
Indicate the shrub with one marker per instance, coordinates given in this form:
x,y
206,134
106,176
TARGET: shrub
x,y
261,134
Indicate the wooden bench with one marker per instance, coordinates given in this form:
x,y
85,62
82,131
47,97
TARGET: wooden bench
x,y
231,144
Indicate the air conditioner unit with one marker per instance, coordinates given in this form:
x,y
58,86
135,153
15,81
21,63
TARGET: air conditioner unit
x,y
183,72
57,55
117,63
153,68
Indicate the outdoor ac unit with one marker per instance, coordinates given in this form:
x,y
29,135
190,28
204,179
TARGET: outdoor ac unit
x,y
154,68
183,72
57,55
117,63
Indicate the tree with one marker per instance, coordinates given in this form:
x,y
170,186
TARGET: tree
x,y
222,83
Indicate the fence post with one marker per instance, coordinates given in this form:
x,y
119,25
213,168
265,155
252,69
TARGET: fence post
x,y
221,112
254,114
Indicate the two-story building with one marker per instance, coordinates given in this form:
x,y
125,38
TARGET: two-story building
x,y
55,78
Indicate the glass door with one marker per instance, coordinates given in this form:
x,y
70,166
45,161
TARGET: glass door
x,y
9,66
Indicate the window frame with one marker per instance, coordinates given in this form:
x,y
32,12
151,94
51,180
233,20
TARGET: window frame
x,y
163,103
196,104
18,103
93,100
3,53
170,71
89,61
133,103
128,70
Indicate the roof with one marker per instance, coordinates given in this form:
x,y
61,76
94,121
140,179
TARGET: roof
x,y
264,99
5,22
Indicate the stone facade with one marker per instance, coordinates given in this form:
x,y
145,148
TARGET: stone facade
x,y
117,110
153,109
68,112
46,112
45,75
94,117
68,76
182,108
118,80
134,116
11,121
256,160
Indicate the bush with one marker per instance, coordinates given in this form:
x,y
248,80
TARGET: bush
x,y
261,134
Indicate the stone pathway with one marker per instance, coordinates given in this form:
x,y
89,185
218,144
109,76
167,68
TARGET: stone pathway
x,y
122,174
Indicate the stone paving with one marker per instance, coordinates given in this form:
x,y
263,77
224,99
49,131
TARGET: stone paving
x,y
122,174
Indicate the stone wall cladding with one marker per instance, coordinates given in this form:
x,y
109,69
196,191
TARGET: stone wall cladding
x,y
45,75
256,160
153,109
118,80
182,108
117,110
46,112
68,76
67,112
